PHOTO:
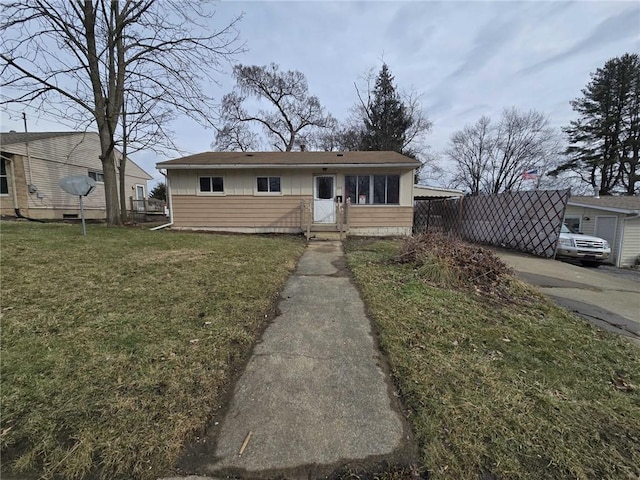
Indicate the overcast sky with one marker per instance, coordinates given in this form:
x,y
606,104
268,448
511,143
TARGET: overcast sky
x,y
466,59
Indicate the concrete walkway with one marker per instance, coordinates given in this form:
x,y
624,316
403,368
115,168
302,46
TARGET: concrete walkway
x,y
314,394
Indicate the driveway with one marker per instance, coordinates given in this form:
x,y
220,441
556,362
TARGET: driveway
x,y
607,299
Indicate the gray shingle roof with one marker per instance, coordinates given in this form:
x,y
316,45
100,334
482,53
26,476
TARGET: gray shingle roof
x,y
8,138
231,159
630,203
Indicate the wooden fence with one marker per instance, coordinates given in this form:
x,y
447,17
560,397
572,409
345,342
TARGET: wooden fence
x,y
525,221
146,209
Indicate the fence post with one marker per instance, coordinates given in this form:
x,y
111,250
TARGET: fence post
x,y
131,211
459,222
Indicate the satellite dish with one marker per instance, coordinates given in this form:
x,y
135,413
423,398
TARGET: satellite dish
x,y
78,185
81,186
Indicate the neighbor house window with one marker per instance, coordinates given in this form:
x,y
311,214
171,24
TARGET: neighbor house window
x,y
96,175
373,189
211,184
573,222
4,183
268,184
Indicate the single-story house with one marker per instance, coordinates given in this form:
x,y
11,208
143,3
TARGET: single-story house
x,y
359,193
616,219
31,165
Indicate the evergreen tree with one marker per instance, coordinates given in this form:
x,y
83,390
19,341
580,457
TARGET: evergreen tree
x,y
604,141
159,192
386,118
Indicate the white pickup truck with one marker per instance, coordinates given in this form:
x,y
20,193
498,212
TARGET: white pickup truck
x,y
590,251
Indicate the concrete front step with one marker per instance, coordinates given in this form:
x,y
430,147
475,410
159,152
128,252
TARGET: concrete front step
x,y
326,236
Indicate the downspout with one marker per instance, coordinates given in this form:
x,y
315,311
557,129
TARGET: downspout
x,y
14,192
26,141
169,203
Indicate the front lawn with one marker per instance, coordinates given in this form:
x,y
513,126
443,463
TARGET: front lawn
x,y
116,346
499,382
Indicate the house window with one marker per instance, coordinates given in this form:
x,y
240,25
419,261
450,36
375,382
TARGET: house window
x,y
573,222
211,184
268,184
96,175
4,183
373,189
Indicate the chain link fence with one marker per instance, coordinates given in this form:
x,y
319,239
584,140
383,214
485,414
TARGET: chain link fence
x,y
525,221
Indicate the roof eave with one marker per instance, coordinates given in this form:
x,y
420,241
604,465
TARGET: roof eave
x,y
282,166
628,211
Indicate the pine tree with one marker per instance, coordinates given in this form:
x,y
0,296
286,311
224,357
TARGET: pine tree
x,y
605,140
386,119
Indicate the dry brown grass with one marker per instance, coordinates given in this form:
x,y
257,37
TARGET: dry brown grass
x,y
509,389
117,346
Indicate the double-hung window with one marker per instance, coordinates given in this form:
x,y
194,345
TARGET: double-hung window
x,y
373,189
211,184
268,185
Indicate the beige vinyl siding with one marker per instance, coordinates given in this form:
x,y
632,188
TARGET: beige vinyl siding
x,y
241,182
7,207
46,176
56,157
380,216
237,211
630,243
293,181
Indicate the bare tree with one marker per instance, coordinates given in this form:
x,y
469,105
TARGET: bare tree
x,y
470,150
492,158
75,61
290,110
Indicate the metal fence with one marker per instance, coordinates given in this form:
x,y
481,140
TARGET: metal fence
x,y
525,221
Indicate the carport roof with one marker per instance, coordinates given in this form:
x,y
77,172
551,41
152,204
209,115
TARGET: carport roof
x,y
619,204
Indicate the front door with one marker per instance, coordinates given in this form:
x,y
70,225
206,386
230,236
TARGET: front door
x,y
324,208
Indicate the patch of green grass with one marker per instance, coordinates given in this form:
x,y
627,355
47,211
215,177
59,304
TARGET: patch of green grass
x,y
116,346
519,389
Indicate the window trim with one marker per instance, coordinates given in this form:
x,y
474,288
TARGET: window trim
x,y
269,193
575,216
372,189
6,177
96,172
212,194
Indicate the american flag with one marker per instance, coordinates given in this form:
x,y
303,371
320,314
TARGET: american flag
x,y
530,174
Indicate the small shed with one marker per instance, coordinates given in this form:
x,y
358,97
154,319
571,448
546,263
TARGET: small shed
x,y
616,219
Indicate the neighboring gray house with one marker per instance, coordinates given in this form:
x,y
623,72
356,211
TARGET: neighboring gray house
x,y
29,176
616,219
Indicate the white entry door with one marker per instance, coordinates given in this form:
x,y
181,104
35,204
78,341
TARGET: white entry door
x,y
324,207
